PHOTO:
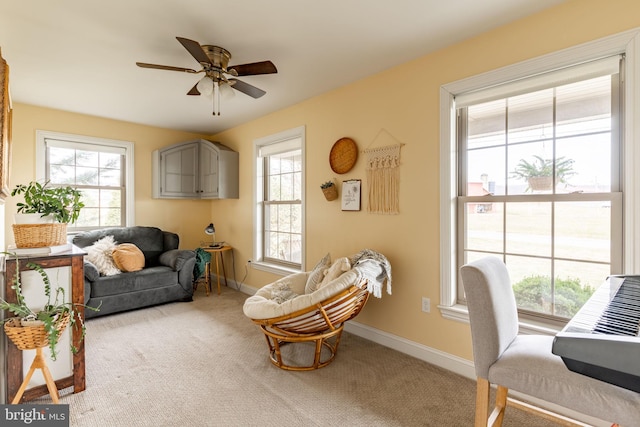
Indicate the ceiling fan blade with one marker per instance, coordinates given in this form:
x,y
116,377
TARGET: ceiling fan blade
x,y
246,88
194,90
195,50
264,67
165,67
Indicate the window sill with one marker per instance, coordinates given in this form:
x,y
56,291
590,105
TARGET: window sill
x,y
273,268
459,313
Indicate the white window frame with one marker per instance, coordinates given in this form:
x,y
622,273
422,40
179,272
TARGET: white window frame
x,y
627,43
258,188
42,135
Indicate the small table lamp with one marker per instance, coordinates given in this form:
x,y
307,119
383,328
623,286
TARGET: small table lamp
x,y
211,231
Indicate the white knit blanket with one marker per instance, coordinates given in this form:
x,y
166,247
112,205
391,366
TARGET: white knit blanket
x,y
375,268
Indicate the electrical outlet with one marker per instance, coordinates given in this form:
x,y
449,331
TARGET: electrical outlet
x,y
426,305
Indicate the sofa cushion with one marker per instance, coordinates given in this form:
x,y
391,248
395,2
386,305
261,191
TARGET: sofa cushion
x,y
100,255
145,279
128,257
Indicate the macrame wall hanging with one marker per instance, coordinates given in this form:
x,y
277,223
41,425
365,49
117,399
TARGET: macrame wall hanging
x,y
383,177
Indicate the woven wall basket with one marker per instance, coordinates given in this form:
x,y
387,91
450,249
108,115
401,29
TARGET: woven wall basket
x,y
39,235
330,193
31,337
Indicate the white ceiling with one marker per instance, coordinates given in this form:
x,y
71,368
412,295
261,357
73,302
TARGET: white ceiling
x,y
80,55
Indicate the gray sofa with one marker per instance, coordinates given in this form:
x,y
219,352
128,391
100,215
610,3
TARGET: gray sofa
x,y
167,275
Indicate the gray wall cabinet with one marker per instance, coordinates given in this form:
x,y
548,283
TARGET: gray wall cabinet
x,y
198,169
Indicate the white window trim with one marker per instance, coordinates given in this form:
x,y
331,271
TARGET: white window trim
x,y
627,43
42,135
258,264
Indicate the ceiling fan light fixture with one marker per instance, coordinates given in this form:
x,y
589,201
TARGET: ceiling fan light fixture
x,y
226,92
205,86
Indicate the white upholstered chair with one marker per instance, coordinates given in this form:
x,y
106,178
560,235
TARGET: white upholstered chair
x,y
524,363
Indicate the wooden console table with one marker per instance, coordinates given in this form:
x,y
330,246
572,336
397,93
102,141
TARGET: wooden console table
x,y
14,358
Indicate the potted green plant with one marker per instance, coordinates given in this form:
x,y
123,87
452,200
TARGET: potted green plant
x,y
330,191
61,205
539,173
37,328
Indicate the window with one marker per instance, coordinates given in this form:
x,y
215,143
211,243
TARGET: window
x,y
279,225
100,168
562,240
538,174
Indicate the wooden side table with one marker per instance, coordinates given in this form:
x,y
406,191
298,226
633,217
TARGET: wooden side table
x,y
215,252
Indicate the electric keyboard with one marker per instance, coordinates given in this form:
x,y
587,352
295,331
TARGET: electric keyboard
x,y
602,340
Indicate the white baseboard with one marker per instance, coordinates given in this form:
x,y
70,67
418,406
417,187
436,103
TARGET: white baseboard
x,y
443,360
436,357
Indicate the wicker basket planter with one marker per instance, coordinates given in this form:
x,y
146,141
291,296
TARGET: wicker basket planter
x,y
540,183
31,337
330,193
39,235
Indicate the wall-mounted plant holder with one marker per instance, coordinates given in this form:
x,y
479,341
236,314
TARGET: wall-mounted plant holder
x,y
330,191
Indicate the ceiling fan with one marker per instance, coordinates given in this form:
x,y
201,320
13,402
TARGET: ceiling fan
x,y
214,61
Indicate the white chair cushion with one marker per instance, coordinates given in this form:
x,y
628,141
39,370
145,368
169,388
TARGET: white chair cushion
x,y
263,306
529,366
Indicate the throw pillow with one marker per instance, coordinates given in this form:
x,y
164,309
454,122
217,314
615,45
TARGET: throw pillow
x,y
100,255
317,274
128,257
340,266
282,292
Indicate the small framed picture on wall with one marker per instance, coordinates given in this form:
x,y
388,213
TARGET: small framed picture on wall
x,y
351,195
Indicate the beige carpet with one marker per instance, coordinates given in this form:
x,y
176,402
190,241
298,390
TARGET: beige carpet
x,y
204,364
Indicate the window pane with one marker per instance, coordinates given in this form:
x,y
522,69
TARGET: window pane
x,y
87,176
62,156
531,168
590,166
531,281
487,124
109,217
584,107
528,228
64,175
110,160
110,198
87,158
110,177
485,229
583,231
530,117
486,171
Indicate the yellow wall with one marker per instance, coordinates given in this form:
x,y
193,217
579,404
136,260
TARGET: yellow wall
x,y
166,214
401,104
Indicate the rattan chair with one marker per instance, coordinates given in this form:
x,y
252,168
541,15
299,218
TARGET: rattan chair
x,y
314,318
321,324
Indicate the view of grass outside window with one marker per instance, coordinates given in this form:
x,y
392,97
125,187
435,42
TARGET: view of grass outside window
x,y
100,177
283,208
539,188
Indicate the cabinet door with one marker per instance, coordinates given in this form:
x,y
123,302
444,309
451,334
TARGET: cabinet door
x,y
179,171
208,170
